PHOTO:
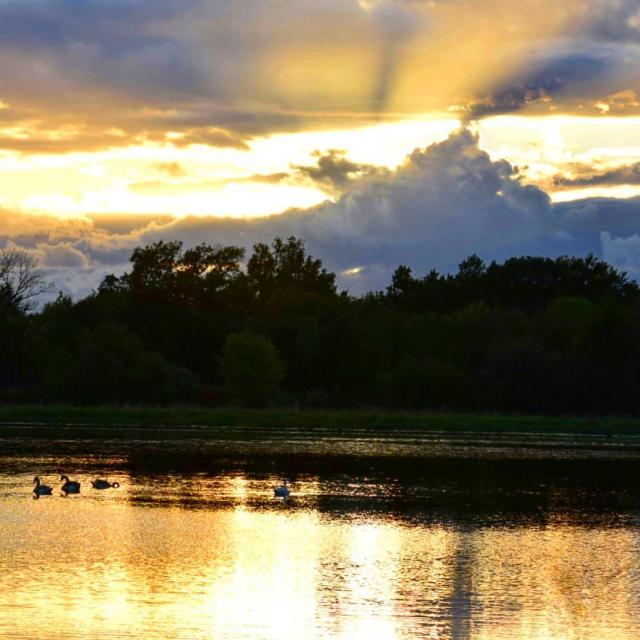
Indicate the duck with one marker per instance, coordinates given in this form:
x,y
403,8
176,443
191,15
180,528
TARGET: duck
x,y
104,484
69,486
41,489
282,491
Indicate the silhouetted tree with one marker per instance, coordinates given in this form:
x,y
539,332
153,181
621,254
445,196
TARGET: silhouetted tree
x,y
165,272
251,367
530,334
285,265
21,282
472,268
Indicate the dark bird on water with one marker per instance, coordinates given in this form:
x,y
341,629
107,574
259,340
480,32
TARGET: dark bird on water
x,y
104,484
41,489
69,486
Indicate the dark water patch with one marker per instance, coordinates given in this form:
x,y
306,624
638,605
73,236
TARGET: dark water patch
x,y
482,491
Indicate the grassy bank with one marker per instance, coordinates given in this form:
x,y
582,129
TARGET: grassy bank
x,y
177,417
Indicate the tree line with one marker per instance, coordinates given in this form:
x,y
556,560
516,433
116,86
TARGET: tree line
x,y
210,325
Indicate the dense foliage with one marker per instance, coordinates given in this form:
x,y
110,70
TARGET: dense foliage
x,y
202,325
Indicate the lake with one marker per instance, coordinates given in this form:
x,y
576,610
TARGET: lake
x,y
399,536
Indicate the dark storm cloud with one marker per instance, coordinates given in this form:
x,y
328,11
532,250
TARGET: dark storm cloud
x,y
622,252
586,176
617,22
333,169
583,222
570,77
595,57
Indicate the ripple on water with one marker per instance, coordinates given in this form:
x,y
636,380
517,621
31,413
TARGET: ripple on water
x,y
193,544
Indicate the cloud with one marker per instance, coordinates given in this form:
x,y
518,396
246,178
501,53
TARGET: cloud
x,y
62,254
119,224
574,75
173,169
333,170
16,223
76,254
442,203
57,141
588,66
95,74
623,252
585,176
617,21
211,136
584,221
548,80
265,178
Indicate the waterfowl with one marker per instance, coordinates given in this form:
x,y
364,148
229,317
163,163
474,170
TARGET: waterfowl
x,y
41,489
69,486
282,491
104,484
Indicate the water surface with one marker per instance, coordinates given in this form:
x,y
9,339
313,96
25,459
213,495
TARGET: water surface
x,y
404,536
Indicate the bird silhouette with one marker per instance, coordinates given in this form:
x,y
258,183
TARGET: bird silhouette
x,y
69,486
104,484
41,489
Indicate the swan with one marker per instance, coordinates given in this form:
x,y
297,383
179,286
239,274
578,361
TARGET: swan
x,y
70,486
282,491
41,489
104,484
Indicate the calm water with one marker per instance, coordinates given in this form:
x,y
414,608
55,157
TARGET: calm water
x,y
415,537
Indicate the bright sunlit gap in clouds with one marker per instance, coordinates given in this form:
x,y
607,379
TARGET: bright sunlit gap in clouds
x,y
203,181
542,147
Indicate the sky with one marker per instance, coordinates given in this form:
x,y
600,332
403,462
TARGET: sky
x,y
382,132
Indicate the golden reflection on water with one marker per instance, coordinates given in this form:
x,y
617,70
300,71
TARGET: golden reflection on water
x,y
139,562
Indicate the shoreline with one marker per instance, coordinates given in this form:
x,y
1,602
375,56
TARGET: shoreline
x,y
190,418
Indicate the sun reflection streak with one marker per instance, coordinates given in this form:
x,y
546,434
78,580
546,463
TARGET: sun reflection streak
x,y
373,556
215,557
274,590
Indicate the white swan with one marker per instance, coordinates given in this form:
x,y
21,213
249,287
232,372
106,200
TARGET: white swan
x,y
282,491
41,489
69,486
